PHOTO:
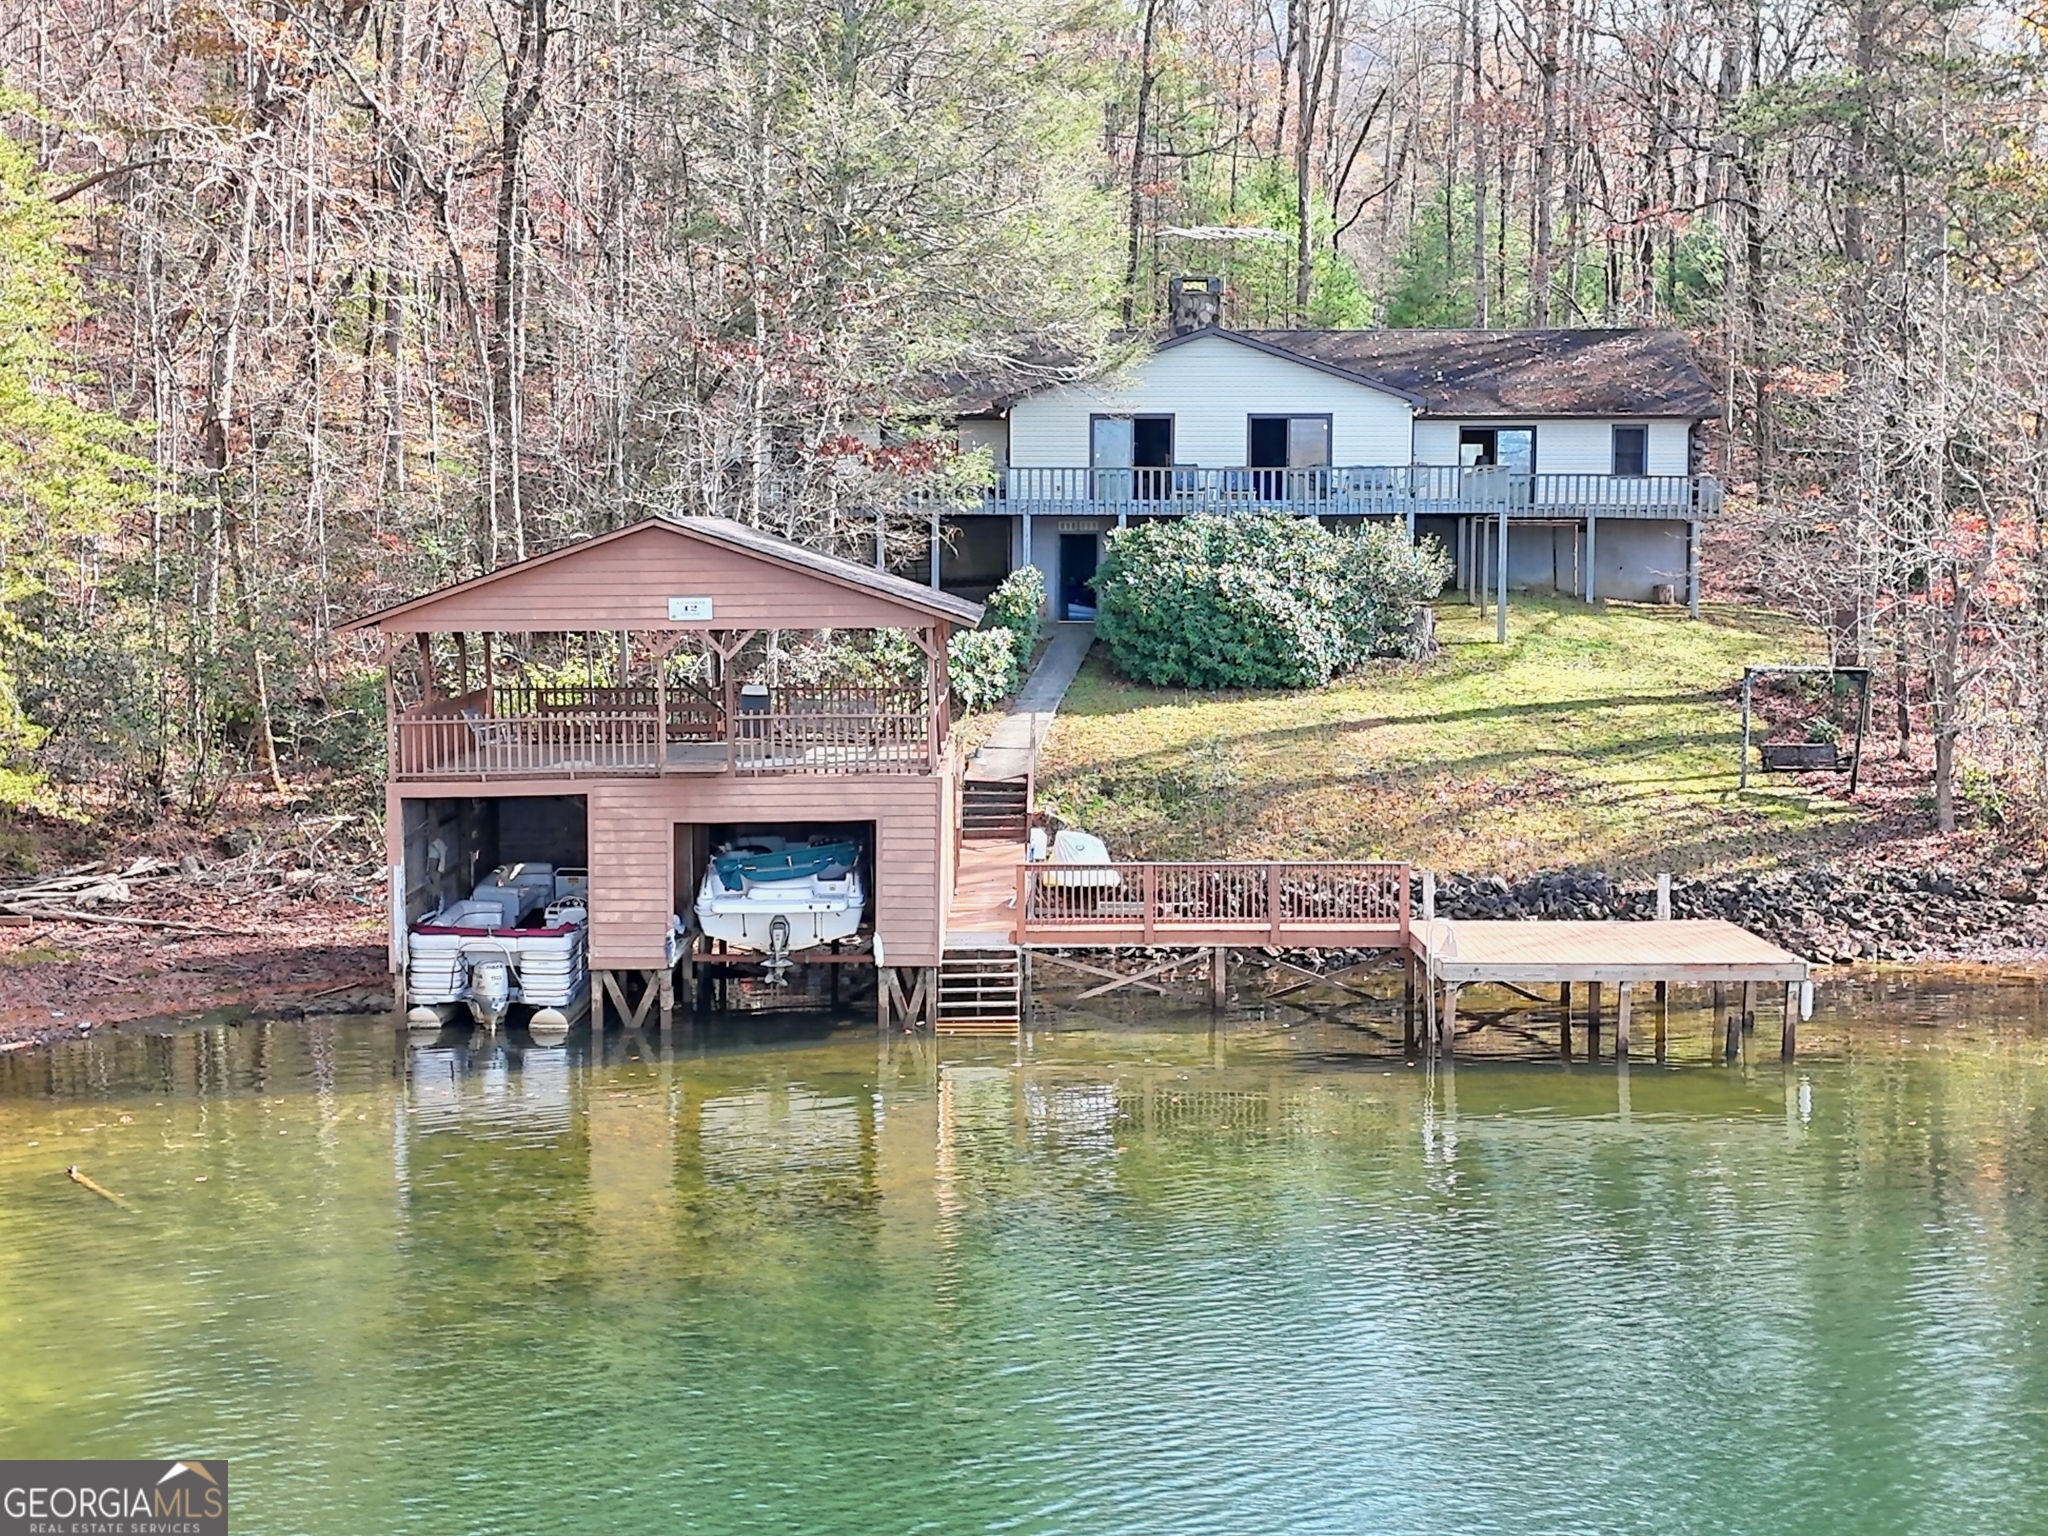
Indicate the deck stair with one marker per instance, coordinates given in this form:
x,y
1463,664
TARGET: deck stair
x,y
981,992
995,810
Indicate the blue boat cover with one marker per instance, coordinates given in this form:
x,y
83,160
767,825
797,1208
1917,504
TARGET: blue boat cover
x,y
833,861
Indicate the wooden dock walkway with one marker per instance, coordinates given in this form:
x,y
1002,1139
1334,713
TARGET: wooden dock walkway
x,y
1002,901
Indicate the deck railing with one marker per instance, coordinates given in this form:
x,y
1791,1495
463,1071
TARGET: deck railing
x,y
587,744
828,729
521,730
1274,903
1341,490
693,713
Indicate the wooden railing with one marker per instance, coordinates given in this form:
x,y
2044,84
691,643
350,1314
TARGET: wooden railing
x,y
522,730
587,744
827,729
693,713
1343,490
1222,903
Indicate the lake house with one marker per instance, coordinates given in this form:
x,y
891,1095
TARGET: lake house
x,y
1586,441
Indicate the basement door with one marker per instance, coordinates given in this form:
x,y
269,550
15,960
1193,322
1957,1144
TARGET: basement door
x,y
1079,555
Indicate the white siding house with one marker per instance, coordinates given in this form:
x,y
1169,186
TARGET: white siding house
x,y
1582,441
1567,445
1210,387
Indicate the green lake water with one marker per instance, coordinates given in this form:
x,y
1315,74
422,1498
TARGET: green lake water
x,y
1138,1274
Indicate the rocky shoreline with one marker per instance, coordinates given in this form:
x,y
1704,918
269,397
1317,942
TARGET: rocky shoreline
x,y
1829,915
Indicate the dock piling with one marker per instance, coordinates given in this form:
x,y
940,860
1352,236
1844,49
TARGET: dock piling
x,y
1621,1020
1788,1038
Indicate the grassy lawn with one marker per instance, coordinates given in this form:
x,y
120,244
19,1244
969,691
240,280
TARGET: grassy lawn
x,y
1598,738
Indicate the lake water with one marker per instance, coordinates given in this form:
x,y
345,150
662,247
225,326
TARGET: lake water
x,y
1141,1274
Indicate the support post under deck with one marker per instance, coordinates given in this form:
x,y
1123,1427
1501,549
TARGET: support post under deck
x,y
1500,617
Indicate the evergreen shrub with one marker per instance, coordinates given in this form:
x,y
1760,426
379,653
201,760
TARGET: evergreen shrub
x,y
983,666
1258,602
1018,606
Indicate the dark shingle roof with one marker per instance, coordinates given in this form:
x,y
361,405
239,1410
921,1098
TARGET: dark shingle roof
x,y
1517,373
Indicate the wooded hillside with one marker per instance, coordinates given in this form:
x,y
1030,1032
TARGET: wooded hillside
x,y
303,305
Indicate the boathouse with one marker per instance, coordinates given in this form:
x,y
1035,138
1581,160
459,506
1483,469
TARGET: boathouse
x,y
626,704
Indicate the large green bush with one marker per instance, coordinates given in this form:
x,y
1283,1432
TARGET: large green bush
x,y
982,664
1257,602
1018,605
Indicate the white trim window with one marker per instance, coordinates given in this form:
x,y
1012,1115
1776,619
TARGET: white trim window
x,y
1631,449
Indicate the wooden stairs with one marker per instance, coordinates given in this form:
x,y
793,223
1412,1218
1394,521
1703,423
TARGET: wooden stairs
x,y
981,992
995,810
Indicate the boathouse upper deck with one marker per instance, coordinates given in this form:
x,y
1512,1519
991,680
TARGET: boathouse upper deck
x,y
685,646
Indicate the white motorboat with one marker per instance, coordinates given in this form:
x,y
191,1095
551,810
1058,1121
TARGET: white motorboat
x,y
519,940
775,896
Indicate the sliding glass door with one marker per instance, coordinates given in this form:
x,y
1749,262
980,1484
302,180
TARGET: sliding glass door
x,y
1289,457
1130,457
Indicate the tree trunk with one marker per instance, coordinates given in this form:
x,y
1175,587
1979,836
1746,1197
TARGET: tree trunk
x,y
522,95
1141,130
1481,295
1540,191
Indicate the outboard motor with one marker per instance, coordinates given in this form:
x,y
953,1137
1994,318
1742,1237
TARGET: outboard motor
x,y
778,948
489,993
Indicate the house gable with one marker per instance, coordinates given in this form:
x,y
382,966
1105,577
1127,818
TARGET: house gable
x,y
1211,382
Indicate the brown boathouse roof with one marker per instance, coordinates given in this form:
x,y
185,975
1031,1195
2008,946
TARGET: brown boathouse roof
x,y
742,577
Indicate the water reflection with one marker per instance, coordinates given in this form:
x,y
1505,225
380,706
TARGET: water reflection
x,y
1138,1272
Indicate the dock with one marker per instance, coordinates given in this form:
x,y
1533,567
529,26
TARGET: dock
x,y
1625,955
1130,924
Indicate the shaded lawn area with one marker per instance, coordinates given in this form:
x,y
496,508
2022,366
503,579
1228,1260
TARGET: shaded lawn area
x,y
1602,738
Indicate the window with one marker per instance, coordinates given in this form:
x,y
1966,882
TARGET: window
x,y
1132,456
1510,448
1631,450
1287,442
1289,457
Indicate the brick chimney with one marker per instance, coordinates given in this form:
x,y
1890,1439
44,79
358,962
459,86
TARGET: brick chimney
x,y
1193,303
